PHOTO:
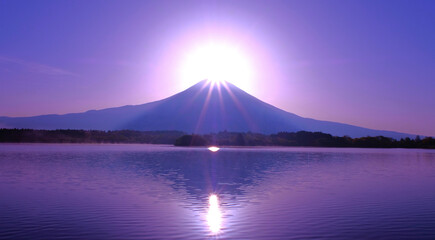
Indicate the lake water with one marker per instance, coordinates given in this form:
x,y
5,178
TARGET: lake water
x,y
67,191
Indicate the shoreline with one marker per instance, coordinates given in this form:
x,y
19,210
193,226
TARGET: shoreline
x,y
204,147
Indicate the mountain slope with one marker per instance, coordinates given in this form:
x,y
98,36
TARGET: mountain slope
x,y
202,108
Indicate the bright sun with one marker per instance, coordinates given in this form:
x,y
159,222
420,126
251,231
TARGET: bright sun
x,y
217,62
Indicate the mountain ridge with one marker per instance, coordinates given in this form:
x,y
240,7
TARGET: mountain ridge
x,y
203,108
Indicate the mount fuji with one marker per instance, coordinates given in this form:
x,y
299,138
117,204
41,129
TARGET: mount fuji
x,y
205,107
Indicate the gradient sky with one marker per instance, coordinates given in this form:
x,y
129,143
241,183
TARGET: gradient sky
x,y
366,63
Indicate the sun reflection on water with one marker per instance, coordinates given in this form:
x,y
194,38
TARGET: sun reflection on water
x,y
214,216
213,148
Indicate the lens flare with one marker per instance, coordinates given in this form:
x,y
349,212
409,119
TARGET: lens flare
x,y
214,217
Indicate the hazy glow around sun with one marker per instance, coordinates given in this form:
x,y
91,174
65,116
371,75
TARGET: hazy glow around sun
x,y
217,62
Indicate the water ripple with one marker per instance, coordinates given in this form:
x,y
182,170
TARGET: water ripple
x,y
53,191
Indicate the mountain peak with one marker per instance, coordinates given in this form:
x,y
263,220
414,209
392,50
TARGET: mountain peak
x,y
206,82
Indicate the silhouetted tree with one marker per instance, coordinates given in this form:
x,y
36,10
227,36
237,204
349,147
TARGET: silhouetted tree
x,y
191,140
240,140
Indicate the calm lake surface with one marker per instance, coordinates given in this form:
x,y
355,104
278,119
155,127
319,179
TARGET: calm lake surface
x,y
68,191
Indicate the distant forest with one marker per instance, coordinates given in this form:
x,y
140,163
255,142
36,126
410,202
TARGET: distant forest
x,y
88,136
301,138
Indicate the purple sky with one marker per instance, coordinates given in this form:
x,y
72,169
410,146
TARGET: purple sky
x,y
367,63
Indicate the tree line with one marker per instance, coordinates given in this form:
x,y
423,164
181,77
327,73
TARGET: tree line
x,y
178,138
88,136
302,138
